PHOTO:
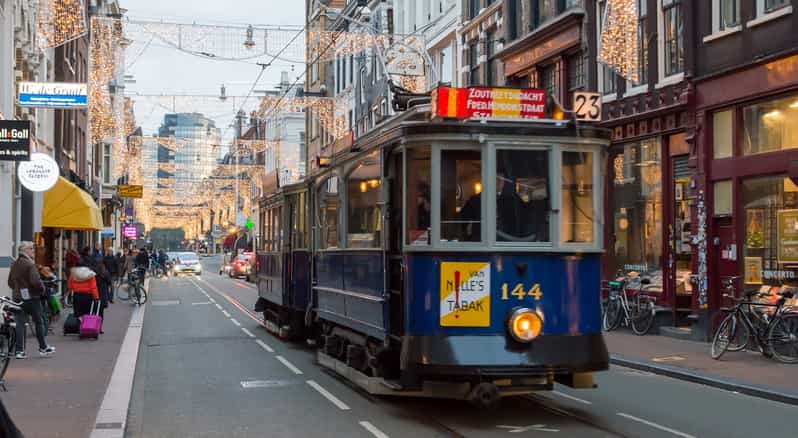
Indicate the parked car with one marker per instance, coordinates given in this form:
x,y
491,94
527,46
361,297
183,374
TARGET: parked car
x,y
186,263
242,267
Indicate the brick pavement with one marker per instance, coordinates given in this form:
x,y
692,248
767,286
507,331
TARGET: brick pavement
x,y
675,356
59,396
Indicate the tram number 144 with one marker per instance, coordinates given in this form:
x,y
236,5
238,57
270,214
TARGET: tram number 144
x,y
520,293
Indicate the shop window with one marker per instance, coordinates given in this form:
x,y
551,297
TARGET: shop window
x,y
673,34
364,221
723,198
770,126
329,201
461,189
636,207
577,197
723,134
522,196
418,200
770,207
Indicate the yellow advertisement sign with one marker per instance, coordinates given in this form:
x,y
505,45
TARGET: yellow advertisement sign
x,y
131,191
465,294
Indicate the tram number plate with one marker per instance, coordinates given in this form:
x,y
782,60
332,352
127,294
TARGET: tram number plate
x,y
520,293
465,294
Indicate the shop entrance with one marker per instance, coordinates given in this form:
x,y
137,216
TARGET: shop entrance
x,y
679,237
726,263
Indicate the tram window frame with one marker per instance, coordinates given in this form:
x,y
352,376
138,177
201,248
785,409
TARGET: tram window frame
x,y
437,205
320,220
377,241
407,196
598,193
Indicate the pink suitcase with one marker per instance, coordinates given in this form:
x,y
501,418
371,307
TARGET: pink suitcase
x,y
91,324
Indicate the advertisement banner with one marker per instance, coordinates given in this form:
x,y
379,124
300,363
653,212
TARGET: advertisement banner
x,y
489,103
130,231
14,140
131,191
787,233
52,95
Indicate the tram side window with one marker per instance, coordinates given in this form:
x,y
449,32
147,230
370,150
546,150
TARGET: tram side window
x,y
328,213
522,196
418,196
363,211
461,190
577,197
267,230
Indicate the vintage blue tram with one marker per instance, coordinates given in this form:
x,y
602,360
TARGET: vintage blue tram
x,y
441,257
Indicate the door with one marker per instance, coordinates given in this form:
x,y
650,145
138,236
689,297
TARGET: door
x,y
396,262
726,264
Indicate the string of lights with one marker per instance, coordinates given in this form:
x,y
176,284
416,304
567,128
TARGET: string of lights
x,y
619,38
59,22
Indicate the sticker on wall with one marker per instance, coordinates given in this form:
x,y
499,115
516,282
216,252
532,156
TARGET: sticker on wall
x,y
465,294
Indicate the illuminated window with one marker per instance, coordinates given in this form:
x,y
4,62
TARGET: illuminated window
x,y
522,196
363,212
771,125
461,190
577,197
419,207
722,133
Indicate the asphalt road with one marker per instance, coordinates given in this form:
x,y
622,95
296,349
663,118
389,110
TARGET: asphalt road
x,y
207,368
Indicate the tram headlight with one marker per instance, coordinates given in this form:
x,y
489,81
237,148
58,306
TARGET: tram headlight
x,y
524,324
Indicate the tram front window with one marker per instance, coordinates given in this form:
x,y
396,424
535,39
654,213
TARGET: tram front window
x,y
461,189
522,196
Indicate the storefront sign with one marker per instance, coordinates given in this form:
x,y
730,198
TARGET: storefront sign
x,y
108,232
488,103
541,51
131,191
787,233
39,174
130,231
778,275
52,95
14,140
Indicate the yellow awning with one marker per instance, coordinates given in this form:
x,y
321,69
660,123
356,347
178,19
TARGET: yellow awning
x,y
68,207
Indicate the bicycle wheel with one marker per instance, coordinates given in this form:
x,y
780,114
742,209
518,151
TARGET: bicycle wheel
x,y
740,335
783,338
140,295
612,315
642,316
6,349
722,338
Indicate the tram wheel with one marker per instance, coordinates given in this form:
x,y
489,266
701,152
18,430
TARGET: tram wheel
x,y
485,395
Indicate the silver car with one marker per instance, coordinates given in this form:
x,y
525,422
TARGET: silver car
x,y
186,263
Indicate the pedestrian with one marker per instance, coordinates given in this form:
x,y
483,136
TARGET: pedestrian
x,y
142,259
83,284
130,262
112,266
101,276
71,259
26,286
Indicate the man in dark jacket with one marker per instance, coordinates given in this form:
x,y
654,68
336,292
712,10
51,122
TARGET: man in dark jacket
x,y
143,259
112,267
27,287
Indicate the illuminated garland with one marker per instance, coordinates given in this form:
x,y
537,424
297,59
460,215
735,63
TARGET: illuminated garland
x,y
59,22
619,38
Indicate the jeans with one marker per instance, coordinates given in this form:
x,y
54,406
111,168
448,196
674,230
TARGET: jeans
x,y
33,308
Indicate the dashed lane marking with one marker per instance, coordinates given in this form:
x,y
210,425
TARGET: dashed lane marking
x,y
250,384
234,302
166,303
218,306
201,303
522,429
373,429
570,397
265,346
235,321
655,425
326,394
247,332
226,313
289,365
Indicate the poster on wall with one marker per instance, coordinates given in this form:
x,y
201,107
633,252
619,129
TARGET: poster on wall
x,y
787,233
755,218
753,270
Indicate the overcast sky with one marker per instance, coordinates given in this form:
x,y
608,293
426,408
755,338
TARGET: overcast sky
x,y
160,69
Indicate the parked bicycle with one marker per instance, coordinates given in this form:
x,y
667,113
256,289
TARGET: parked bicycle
x,y
136,291
773,328
637,312
7,334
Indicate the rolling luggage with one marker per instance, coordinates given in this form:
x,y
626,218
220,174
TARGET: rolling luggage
x,y
71,325
91,323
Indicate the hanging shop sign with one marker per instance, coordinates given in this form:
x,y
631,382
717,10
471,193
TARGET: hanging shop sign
x,y
488,103
788,236
131,191
130,231
52,95
39,174
14,140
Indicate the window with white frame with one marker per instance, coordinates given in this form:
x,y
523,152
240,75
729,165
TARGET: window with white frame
x,y
107,171
768,6
446,65
725,15
642,41
673,37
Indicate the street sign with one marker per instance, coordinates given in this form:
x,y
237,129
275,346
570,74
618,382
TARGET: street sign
x,y
587,106
14,140
488,103
52,95
130,191
130,231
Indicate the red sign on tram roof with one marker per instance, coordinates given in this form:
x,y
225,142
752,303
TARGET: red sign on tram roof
x,y
489,103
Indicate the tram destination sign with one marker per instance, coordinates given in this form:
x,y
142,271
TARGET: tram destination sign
x,y
489,103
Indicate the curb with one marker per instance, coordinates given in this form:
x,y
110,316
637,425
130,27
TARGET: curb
x,y
703,379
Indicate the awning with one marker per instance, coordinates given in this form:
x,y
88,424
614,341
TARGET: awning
x,y
68,207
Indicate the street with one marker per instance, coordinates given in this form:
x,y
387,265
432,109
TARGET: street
x,y
207,367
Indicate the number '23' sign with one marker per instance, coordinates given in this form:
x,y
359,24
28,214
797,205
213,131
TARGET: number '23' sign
x,y
587,106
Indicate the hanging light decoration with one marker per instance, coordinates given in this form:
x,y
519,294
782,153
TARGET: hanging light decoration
x,y
619,38
60,21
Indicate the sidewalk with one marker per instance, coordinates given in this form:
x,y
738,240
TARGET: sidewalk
x,y
59,396
745,372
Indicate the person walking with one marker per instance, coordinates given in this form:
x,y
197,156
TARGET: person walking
x,y
101,276
142,259
26,286
83,284
112,267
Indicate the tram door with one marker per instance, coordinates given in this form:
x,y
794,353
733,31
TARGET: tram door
x,y
395,260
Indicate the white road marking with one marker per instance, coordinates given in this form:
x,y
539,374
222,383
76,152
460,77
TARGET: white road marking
x,y
265,346
202,303
289,365
247,332
249,384
656,426
226,313
235,321
218,306
570,397
521,429
373,429
333,399
210,298
165,303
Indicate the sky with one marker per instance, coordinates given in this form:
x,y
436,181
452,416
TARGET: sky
x,y
160,69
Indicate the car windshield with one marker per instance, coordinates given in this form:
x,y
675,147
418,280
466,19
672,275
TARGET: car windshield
x,y
242,258
188,257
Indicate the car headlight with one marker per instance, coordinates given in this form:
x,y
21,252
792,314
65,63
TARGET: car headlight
x,y
524,324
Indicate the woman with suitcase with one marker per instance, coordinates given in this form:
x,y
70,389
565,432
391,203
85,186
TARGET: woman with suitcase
x,y
83,283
